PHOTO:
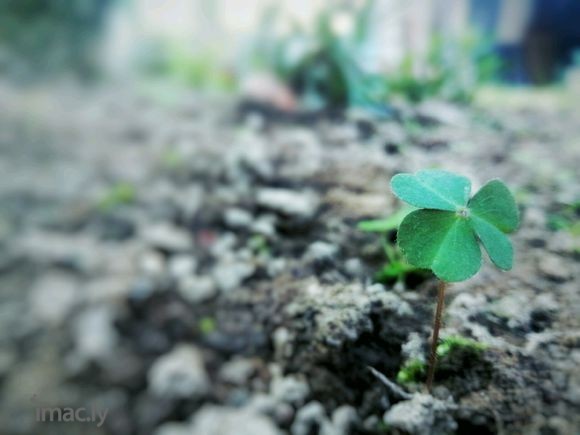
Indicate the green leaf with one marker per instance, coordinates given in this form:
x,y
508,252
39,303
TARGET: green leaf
x,y
441,241
495,204
385,225
497,245
432,189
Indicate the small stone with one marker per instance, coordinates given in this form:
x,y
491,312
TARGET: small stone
x,y
197,288
173,429
282,343
265,225
421,415
354,267
179,374
167,237
554,268
95,336
289,389
220,420
308,418
442,112
230,274
412,349
182,265
238,370
343,419
237,218
152,263
289,202
53,296
514,307
320,251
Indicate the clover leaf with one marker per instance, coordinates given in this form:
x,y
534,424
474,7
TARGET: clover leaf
x,y
444,234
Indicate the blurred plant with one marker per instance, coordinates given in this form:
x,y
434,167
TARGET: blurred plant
x,y
567,219
119,194
259,245
444,234
207,325
203,70
322,66
40,37
453,70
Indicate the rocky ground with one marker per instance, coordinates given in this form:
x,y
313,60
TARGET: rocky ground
x,y
194,269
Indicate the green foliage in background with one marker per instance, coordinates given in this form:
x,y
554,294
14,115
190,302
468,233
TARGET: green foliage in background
x,y
119,194
44,37
202,70
444,234
566,219
321,65
454,70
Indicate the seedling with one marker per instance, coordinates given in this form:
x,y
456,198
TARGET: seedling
x,y
444,234
415,369
119,194
397,268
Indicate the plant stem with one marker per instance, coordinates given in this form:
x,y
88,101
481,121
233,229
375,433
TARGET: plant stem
x,y
435,339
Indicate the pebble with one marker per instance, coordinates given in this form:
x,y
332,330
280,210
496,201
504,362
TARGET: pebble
x,y
290,389
237,218
167,237
95,336
53,296
197,288
221,420
182,265
229,275
320,251
179,374
554,267
303,204
308,418
421,415
238,370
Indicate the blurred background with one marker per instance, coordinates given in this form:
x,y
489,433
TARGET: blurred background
x,y
197,234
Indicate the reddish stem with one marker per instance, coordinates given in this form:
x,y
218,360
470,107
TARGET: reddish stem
x,y
435,339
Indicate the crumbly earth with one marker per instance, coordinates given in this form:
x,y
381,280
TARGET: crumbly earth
x,y
195,269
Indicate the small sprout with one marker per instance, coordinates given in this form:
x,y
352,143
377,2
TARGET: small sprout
x,y
119,194
567,219
172,159
207,325
385,225
412,372
444,234
454,343
397,268
259,244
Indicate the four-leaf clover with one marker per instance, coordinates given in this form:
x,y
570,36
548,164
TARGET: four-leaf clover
x,y
444,234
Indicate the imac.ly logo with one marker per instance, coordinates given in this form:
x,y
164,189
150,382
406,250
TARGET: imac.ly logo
x,y
82,414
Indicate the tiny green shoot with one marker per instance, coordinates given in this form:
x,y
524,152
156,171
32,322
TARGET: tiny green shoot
x,y
119,194
445,233
396,267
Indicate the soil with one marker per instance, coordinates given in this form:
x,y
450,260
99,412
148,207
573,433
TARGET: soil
x,y
196,268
